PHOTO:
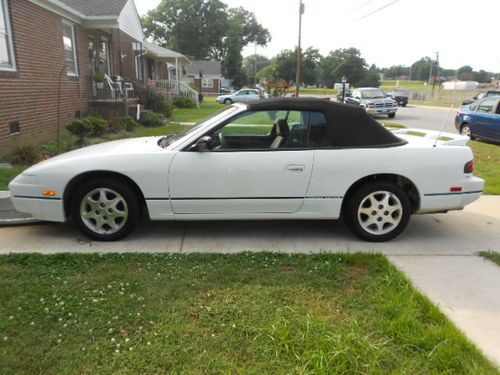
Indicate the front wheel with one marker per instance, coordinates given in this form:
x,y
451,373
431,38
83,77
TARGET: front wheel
x,y
106,210
467,131
228,101
392,115
378,211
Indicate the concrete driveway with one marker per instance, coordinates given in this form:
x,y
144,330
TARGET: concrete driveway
x,y
456,233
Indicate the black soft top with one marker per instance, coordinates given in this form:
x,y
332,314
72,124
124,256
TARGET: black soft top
x,y
348,125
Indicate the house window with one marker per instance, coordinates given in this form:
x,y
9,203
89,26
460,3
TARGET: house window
x,y
207,83
70,49
6,46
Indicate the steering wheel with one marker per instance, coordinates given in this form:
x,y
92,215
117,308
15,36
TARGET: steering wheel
x,y
222,140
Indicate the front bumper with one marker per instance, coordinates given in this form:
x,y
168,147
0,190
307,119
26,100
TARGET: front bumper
x,y
381,111
26,195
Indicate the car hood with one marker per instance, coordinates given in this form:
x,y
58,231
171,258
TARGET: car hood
x,y
127,146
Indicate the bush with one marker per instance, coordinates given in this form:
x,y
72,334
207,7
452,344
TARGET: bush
x,y
184,102
153,119
81,128
50,149
98,125
155,101
125,123
25,154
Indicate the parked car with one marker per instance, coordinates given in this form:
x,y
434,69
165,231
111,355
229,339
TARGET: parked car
x,y
482,95
374,101
400,96
243,95
283,158
480,119
225,90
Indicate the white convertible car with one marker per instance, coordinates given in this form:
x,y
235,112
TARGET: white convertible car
x,y
289,158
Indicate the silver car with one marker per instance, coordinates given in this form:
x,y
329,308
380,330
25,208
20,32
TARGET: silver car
x,y
243,95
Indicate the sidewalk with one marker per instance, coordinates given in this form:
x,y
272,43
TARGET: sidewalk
x,y
466,289
9,215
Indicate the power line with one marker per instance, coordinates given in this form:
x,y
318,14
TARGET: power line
x,y
375,11
362,5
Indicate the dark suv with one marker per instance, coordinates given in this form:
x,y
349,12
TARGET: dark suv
x,y
401,96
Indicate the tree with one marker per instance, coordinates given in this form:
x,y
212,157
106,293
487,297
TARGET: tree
x,y
371,78
341,63
254,64
285,66
420,69
201,28
465,73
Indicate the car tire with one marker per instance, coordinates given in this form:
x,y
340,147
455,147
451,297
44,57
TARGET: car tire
x,y
377,211
466,130
106,210
228,101
392,115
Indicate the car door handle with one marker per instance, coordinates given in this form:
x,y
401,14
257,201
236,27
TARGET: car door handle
x,y
295,168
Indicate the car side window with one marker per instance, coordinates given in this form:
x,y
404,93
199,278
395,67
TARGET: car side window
x,y
259,130
318,131
486,105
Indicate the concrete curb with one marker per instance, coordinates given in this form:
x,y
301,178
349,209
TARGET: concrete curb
x,y
4,194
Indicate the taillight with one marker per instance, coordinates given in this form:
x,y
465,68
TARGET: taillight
x,y
469,167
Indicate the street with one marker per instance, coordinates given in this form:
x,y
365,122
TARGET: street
x,y
431,118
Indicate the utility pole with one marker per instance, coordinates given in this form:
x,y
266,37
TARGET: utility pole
x,y
299,52
255,66
437,74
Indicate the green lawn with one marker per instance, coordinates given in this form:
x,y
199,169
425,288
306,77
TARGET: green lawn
x,y
441,97
316,91
207,108
221,314
487,165
491,255
6,175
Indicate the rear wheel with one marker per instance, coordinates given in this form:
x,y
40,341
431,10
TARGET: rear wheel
x,y
378,211
106,210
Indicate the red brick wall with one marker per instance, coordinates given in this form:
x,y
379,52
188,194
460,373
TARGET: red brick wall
x,y
205,90
128,61
30,95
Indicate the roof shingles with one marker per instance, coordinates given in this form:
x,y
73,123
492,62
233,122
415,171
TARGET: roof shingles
x,y
97,7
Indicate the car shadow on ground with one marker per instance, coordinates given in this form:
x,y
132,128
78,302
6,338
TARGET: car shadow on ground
x,y
455,233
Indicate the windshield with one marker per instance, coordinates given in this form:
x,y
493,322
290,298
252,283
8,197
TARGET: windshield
x,y
168,140
372,94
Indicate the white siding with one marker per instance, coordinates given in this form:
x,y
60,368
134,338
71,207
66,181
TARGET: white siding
x,y
129,21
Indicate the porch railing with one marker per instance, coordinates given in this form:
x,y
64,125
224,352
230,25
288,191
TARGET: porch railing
x,y
170,87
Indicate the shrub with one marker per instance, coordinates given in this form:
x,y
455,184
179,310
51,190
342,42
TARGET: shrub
x,y
153,119
50,149
184,102
81,128
155,101
125,123
97,124
25,154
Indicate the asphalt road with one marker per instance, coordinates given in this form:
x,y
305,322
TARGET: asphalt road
x,y
426,118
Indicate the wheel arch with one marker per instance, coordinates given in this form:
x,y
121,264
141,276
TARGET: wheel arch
x,y
404,182
82,178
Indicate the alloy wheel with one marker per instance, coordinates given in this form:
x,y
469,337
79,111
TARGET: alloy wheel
x,y
104,211
380,212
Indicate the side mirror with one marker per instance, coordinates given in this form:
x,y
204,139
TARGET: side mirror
x,y
204,144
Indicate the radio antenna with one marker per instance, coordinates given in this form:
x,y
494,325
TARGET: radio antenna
x,y
448,114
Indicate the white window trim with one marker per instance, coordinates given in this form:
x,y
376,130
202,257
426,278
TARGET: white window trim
x,y
73,40
205,85
108,55
13,68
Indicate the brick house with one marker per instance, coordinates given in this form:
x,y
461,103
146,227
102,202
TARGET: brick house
x,y
50,50
207,75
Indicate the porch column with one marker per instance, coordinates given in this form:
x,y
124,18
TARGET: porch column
x,y
177,74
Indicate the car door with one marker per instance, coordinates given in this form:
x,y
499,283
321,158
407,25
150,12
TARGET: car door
x,y
486,120
241,96
239,178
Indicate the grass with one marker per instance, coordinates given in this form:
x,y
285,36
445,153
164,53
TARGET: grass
x,y
221,314
316,91
6,175
207,108
441,98
491,255
487,165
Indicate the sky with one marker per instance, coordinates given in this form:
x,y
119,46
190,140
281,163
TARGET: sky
x,y
463,32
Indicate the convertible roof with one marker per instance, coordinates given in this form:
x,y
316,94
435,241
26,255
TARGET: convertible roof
x,y
348,125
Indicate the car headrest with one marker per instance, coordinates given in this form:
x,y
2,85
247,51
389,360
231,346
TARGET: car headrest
x,y
282,128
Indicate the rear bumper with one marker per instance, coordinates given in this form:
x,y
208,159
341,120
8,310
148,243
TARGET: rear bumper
x,y
472,189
